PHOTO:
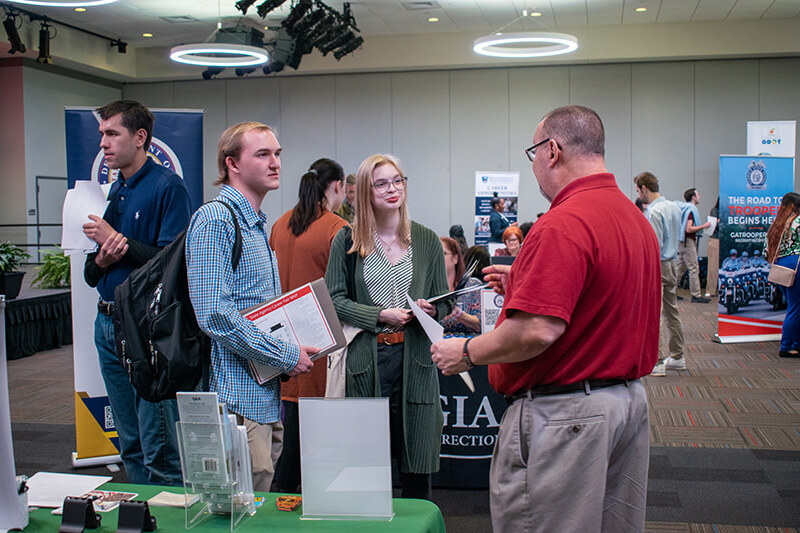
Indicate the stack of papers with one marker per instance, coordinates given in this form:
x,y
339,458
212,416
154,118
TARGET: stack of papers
x,y
86,198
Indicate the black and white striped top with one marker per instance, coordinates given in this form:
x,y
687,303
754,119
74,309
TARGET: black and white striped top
x,y
388,284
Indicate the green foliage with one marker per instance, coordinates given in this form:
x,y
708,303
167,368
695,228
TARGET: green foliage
x,y
11,257
54,272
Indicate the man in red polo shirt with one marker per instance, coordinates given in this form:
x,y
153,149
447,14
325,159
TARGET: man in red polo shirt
x,y
579,327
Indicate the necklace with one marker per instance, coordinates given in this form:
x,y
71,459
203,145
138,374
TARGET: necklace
x,y
387,245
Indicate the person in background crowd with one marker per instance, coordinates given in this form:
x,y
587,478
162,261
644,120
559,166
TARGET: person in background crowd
x,y
783,248
249,162
712,279
394,257
466,315
148,207
302,238
691,230
578,328
347,209
665,217
512,238
478,253
525,227
457,234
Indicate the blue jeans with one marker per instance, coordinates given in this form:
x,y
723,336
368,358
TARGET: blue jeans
x,y
790,335
147,436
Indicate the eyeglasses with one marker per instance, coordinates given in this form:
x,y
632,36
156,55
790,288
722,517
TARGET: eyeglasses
x,y
531,152
382,186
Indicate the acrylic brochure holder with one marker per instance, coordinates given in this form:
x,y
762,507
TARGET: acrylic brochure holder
x,y
345,457
217,469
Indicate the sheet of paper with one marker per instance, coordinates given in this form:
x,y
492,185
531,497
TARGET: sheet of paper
x,y
713,221
86,198
198,407
435,333
48,489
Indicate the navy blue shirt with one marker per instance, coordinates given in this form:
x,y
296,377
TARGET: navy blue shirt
x,y
151,207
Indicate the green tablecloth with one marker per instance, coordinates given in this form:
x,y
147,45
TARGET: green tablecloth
x,y
410,516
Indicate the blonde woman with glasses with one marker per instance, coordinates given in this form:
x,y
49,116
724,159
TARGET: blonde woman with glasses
x,y
370,271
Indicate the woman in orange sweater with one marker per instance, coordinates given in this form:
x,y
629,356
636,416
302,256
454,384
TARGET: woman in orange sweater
x,y
302,239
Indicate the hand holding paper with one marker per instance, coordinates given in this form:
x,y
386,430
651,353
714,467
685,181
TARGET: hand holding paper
x,y
435,333
86,198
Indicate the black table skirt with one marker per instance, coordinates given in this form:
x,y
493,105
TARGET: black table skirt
x,y
36,324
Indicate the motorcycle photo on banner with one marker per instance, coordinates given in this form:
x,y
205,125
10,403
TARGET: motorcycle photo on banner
x,y
751,188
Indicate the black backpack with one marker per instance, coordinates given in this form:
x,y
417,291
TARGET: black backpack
x,y
159,342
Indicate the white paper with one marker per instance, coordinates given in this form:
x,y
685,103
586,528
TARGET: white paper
x,y
198,408
713,225
48,489
435,333
86,198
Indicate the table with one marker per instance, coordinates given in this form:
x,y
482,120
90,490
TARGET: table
x,y
418,516
36,321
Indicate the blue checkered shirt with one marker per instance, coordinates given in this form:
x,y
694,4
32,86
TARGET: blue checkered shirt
x,y
218,295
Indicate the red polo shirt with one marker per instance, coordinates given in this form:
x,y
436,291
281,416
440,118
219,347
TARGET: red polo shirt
x,y
592,260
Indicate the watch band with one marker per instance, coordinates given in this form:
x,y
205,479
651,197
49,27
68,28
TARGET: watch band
x,y
465,353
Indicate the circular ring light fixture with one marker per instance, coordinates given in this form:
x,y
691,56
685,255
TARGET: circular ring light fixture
x,y
219,55
64,3
505,45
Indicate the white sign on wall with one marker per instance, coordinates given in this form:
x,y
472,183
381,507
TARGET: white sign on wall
x,y
776,137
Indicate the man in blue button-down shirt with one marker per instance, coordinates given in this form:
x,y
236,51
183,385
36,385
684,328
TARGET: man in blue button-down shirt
x,y
249,164
148,207
665,217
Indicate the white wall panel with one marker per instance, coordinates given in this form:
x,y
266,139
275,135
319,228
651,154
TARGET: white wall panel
x,y
533,93
778,96
420,129
363,118
308,132
607,90
479,135
662,104
153,94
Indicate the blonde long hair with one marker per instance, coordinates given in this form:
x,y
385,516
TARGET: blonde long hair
x,y
364,225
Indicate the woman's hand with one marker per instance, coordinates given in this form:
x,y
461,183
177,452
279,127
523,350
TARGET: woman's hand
x,y
395,317
427,307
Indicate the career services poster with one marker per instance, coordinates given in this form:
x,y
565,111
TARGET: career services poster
x,y
504,185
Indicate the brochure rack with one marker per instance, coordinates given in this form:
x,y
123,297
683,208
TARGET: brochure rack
x,y
216,466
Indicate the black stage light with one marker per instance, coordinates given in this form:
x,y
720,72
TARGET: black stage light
x,y
122,47
273,67
347,48
297,13
210,72
44,44
308,22
339,41
268,6
321,31
244,5
242,71
10,24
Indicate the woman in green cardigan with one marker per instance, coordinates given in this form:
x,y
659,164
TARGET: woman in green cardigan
x,y
370,271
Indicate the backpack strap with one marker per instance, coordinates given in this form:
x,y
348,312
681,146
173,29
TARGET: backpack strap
x,y
236,255
350,261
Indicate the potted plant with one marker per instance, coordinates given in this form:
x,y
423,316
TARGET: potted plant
x,y
54,272
11,257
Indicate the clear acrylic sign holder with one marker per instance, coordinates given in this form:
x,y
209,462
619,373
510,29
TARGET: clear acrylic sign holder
x,y
216,470
345,456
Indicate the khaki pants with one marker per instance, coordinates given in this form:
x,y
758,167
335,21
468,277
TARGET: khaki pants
x,y
687,260
265,442
713,267
670,318
572,462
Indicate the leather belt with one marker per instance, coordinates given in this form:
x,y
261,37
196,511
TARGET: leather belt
x,y
105,308
584,386
391,338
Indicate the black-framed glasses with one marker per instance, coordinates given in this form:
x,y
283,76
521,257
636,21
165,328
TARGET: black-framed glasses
x,y
382,186
531,152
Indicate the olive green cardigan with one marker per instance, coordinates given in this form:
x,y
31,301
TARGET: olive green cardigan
x,y
422,410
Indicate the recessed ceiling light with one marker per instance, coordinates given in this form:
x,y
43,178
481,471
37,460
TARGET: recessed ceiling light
x,y
536,14
433,19
147,35
641,9
80,9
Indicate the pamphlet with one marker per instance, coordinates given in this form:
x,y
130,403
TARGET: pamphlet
x,y
305,317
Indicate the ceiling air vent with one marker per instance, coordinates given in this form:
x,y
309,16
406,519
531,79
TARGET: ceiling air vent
x,y
421,4
179,19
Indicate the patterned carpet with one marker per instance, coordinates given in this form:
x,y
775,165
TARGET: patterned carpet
x,y
725,435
